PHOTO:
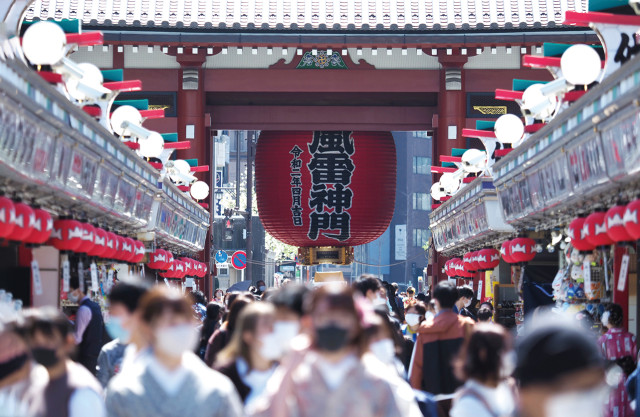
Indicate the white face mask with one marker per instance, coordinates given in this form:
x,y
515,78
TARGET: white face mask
x,y
587,403
271,348
428,316
605,319
379,301
412,319
285,331
507,364
467,303
72,298
384,349
176,340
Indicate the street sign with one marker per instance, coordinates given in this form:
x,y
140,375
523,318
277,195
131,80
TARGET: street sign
x,y
239,259
221,257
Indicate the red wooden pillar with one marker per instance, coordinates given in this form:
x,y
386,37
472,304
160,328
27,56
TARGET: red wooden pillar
x,y
621,297
449,121
191,109
193,123
452,104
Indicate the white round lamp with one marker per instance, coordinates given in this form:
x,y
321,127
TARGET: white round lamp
x,y
580,65
437,192
199,190
541,106
474,160
449,183
123,115
43,43
152,146
91,76
509,128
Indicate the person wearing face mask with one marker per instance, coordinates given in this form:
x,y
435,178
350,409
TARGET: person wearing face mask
x,y
369,287
221,337
22,381
261,287
89,326
485,363
618,347
560,372
249,359
122,327
289,301
72,391
172,381
465,294
385,340
334,378
416,314
438,343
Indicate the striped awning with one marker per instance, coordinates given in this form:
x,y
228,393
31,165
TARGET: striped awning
x,y
310,15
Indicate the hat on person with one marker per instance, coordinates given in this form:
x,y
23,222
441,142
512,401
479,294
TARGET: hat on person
x,y
553,351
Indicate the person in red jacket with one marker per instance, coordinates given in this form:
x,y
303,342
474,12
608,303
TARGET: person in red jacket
x,y
438,343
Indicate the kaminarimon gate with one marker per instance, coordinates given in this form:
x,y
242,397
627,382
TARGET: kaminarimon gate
x,y
385,65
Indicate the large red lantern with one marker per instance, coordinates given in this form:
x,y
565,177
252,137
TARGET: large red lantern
x,y
447,266
7,214
190,266
596,224
157,260
66,235
111,246
522,249
456,267
139,251
181,271
631,219
578,232
469,264
201,269
120,241
615,224
41,228
488,259
170,271
326,188
87,238
128,249
100,238
506,254
23,222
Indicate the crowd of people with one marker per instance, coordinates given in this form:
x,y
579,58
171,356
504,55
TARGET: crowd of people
x,y
335,350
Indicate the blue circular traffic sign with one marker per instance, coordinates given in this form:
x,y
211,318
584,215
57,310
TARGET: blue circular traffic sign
x,y
239,260
221,257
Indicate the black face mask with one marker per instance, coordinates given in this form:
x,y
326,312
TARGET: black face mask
x,y
331,338
12,365
45,356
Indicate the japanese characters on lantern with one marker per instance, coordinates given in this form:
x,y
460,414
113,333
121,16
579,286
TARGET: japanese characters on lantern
x,y
296,186
331,168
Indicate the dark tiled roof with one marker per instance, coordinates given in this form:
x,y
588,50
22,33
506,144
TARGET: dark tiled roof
x,y
303,15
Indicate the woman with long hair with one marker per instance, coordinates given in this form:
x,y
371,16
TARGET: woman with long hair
x,y
221,337
249,358
210,324
485,362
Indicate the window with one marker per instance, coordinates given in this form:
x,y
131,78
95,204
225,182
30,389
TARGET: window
x,y
421,165
421,201
420,237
